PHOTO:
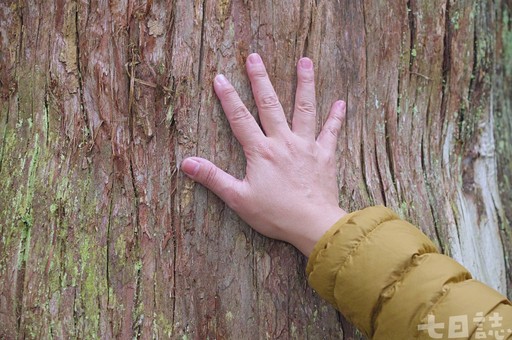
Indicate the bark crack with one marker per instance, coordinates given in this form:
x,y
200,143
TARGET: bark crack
x,y
255,274
364,121
18,57
75,314
20,279
412,27
88,130
475,64
436,229
201,44
446,65
137,316
176,220
200,68
35,65
387,144
4,138
109,227
363,167
381,181
308,29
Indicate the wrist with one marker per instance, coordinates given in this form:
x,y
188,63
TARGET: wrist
x,y
318,226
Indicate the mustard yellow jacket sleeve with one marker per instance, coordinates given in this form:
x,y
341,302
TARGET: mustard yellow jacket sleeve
x,y
386,277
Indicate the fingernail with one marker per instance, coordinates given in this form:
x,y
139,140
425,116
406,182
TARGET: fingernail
x,y
306,63
341,104
190,166
255,58
221,80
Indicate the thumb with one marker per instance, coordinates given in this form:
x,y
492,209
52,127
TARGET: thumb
x,y
205,172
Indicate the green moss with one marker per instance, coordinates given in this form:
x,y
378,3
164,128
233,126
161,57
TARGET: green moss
x,y
84,254
162,322
62,189
293,330
455,20
363,190
120,247
161,68
223,11
53,208
24,206
138,311
403,210
93,283
484,43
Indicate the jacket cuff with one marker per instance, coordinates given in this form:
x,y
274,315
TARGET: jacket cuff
x,y
358,257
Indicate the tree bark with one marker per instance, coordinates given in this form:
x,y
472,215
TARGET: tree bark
x,y
103,237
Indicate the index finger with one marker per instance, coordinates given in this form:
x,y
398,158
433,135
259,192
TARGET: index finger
x,y
244,126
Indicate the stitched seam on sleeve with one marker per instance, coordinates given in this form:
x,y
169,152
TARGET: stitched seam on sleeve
x,y
350,221
354,250
356,247
329,242
443,295
319,253
482,321
380,301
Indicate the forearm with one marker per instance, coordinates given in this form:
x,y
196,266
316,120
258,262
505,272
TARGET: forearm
x,y
387,277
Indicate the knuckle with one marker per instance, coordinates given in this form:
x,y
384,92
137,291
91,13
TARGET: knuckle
x,y
337,120
307,78
210,178
306,107
262,150
239,113
258,72
333,131
269,101
228,91
265,151
335,126
290,145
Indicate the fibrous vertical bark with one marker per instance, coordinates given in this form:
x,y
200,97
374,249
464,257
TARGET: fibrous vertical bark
x,y
102,236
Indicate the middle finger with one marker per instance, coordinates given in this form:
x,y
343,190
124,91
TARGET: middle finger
x,y
270,110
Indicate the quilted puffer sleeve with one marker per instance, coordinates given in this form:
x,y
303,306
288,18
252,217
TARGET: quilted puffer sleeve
x,y
385,276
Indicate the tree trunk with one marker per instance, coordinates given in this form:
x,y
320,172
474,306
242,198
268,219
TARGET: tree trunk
x,y
102,236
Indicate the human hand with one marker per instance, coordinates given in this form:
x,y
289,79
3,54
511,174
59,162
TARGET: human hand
x,y
290,190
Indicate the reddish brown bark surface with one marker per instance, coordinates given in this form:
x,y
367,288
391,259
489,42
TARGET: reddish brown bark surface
x,y
102,236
